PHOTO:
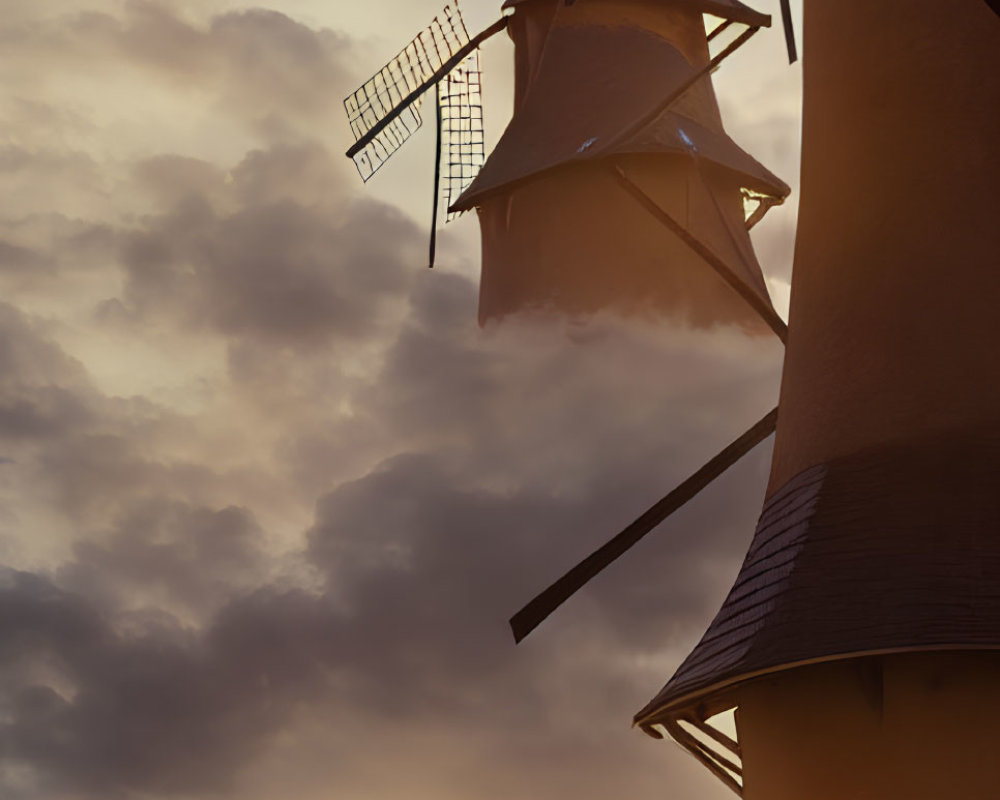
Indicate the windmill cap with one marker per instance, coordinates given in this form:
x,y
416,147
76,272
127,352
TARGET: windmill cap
x,y
727,9
579,106
894,549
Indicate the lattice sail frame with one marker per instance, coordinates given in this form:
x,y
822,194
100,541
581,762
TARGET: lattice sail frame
x,y
463,149
394,85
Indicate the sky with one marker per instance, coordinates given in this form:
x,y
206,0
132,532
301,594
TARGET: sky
x,y
269,494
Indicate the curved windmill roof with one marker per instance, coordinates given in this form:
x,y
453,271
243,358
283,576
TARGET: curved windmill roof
x,y
728,9
881,531
580,108
860,543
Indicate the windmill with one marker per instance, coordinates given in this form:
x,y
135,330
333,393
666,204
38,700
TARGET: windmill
x,y
615,183
860,643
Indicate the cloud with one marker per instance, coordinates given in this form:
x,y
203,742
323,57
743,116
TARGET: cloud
x,y
40,387
14,258
414,568
156,711
170,555
276,253
268,492
258,61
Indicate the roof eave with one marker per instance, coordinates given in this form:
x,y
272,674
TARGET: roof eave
x,y
727,9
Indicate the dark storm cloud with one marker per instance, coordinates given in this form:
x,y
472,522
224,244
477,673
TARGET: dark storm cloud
x,y
522,449
423,559
88,475
430,566
77,451
167,553
153,709
160,709
14,258
285,265
42,391
104,693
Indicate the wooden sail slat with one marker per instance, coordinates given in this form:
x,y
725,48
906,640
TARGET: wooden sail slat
x,y
529,617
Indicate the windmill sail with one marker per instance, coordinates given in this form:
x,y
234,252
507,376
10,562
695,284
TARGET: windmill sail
x,y
385,110
461,103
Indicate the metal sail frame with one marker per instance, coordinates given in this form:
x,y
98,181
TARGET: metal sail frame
x,y
384,112
463,144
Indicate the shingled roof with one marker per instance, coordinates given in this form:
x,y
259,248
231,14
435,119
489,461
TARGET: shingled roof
x,y
848,560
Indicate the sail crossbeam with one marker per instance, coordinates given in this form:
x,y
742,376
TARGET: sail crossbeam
x,y
461,102
385,111
535,612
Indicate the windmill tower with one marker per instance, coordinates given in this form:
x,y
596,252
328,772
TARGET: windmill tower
x,y
615,184
860,643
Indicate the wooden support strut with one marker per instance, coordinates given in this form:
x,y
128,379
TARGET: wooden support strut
x,y
437,180
714,733
717,764
764,204
786,21
766,312
719,28
532,615
434,79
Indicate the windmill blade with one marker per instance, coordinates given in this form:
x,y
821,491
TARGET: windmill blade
x,y
786,21
533,614
461,103
459,115
385,111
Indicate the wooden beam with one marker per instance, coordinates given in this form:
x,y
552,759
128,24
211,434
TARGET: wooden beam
x,y
437,180
764,205
786,20
529,617
766,312
716,763
714,733
719,28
